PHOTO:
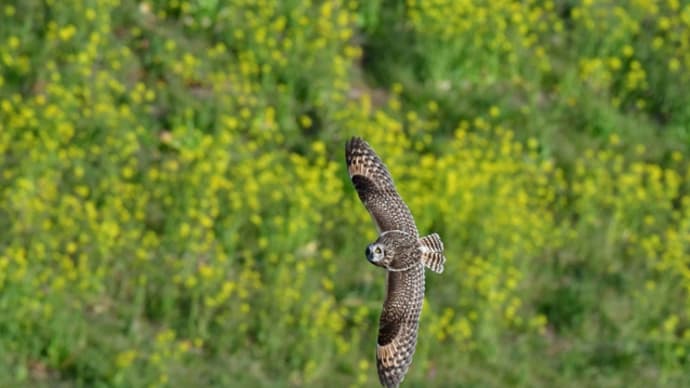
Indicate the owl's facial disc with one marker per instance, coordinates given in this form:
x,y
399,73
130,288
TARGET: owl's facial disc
x,y
375,253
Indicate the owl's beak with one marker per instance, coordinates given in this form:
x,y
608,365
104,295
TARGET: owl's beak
x,y
369,254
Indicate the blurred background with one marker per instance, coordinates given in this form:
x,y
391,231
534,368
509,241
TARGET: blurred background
x,y
175,209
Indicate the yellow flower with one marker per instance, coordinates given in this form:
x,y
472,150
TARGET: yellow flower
x,y
628,51
494,111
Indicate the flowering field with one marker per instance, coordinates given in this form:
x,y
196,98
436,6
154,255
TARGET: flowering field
x,y
175,209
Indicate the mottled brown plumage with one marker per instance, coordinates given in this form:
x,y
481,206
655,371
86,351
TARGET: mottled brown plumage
x,y
376,190
404,255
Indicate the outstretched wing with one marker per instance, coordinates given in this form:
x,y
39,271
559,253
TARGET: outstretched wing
x,y
375,188
398,325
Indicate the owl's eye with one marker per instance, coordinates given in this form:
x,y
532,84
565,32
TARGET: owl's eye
x,y
377,250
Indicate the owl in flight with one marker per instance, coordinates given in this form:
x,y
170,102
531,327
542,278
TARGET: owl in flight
x,y
399,250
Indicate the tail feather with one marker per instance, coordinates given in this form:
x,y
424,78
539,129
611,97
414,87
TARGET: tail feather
x,y
432,252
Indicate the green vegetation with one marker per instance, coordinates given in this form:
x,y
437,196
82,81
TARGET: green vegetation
x,y
175,210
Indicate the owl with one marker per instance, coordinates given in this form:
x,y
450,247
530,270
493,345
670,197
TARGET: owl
x,y
403,254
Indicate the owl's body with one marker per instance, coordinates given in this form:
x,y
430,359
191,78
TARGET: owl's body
x,y
401,252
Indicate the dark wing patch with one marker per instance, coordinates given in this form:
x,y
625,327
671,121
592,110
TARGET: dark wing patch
x,y
375,188
389,327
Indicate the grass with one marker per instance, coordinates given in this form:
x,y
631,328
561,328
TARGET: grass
x,y
176,211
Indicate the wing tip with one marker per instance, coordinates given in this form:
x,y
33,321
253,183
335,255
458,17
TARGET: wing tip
x,y
391,376
355,148
353,143
393,360
391,372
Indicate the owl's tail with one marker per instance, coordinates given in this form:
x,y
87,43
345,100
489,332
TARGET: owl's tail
x,y
432,252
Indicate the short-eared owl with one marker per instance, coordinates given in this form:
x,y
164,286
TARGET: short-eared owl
x,y
399,250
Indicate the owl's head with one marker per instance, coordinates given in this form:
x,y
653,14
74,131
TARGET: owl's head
x,y
393,250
